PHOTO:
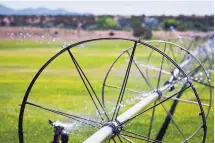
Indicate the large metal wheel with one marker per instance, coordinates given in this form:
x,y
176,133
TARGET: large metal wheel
x,y
84,111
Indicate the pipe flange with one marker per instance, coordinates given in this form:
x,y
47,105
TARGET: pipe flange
x,y
115,125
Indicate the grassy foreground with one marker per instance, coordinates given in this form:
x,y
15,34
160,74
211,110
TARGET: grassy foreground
x,y
59,87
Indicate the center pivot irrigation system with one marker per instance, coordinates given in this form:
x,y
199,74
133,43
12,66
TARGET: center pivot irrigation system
x,y
153,91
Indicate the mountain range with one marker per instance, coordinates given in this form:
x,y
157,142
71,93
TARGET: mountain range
x,y
36,11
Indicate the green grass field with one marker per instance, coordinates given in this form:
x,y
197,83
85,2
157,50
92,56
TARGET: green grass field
x,y
60,87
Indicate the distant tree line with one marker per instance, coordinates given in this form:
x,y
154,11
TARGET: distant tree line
x,y
139,24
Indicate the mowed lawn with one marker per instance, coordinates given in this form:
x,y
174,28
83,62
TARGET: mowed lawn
x,y
59,87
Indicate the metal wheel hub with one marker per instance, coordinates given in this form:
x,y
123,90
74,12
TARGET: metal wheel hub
x,y
115,125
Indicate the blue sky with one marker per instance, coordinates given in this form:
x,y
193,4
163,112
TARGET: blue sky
x,y
122,8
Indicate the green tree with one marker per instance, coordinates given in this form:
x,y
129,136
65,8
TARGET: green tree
x,y
185,26
169,22
105,22
142,32
135,22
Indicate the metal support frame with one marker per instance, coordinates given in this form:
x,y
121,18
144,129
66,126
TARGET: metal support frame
x,y
106,132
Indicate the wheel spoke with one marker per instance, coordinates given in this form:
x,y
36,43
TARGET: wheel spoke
x,y
205,84
185,101
127,139
121,94
168,62
119,138
155,68
161,67
127,89
194,71
151,121
146,80
173,121
83,77
182,90
134,137
74,117
173,54
188,49
167,120
147,63
141,136
138,136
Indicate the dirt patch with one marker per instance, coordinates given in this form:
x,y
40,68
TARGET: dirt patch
x,y
33,33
